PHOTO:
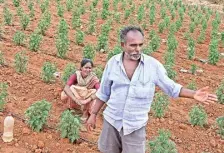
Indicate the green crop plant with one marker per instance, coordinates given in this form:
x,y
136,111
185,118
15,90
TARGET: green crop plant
x,y
172,43
91,28
161,26
141,13
169,58
220,123
45,22
69,4
187,35
117,17
219,93
171,73
69,125
102,42
123,5
3,95
115,51
152,14
68,71
35,40
201,37
60,10
19,38
20,62
37,114
16,3
99,72
222,38
160,105
95,2
163,12
192,27
191,48
2,59
89,52
44,5
178,25
62,45
48,70
181,13
31,5
19,11
24,21
192,85
167,21
172,28
104,14
7,16
127,13
2,1
32,13
155,42
193,69
79,37
115,5
197,116
162,143
76,21
213,57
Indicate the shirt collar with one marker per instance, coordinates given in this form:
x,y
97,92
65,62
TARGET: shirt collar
x,y
119,58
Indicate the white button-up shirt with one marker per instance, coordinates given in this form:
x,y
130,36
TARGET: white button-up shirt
x,y
129,101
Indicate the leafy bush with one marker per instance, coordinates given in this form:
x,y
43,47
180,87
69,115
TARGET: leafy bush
x,y
76,21
89,52
69,126
213,57
19,38
99,72
141,13
192,85
68,71
220,123
16,3
197,116
21,61
2,59
201,37
3,95
162,143
220,93
160,105
60,10
115,51
69,4
19,11
44,5
7,16
24,21
191,48
35,40
37,114
48,71
171,73
79,37
44,22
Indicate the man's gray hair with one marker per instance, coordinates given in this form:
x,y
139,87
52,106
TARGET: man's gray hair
x,y
125,30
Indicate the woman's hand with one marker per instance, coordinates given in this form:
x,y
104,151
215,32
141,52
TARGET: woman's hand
x,y
91,122
202,95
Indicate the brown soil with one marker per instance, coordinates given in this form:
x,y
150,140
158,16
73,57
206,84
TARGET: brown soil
x,y
25,89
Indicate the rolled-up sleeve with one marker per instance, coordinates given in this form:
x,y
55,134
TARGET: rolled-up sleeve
x,y
166,84
105,86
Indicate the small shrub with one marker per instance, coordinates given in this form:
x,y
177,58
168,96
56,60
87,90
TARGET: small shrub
x,y
24,21
192,27
162,143
21,61
79,37
192,85
35,40
44,5
220,123
171,73
76,21
115,51
89,52
19,38
19,11
37,114
220,93
69,4
198,116
191,48
48,71
213,57
68,71
2,59
193,69
60,10
160,105
16,3
3,95
69,126
99,72
7,16
44,22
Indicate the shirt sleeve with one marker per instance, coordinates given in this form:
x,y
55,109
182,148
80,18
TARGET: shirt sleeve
x,y
72,80
166,84
105,86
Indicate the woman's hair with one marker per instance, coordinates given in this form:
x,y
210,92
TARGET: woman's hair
x,y
85,61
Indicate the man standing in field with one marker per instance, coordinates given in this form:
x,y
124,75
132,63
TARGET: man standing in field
x,y
127,87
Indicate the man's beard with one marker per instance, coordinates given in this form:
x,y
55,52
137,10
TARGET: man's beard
x,y
134,56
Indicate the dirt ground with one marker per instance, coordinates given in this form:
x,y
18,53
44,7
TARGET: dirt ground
x,y
25,89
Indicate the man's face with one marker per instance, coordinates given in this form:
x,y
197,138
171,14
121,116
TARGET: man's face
x,y
132,46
